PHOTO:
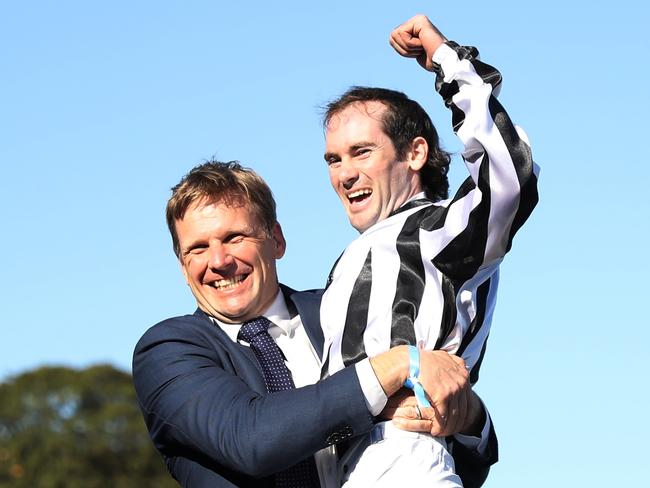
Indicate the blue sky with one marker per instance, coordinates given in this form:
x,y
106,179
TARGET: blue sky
x,y
104,106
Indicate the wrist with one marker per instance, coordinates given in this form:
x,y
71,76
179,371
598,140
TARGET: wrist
x,y
391,368
413,380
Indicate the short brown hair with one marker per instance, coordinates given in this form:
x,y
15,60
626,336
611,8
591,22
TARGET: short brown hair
x,y
216,182
402,121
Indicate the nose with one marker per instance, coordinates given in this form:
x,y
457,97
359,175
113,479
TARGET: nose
x,y
219,257
348,173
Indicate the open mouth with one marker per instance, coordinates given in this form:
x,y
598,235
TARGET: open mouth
x,y
359,196
227,284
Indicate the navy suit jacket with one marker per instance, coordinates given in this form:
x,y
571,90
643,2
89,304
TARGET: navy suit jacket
x,y
205,404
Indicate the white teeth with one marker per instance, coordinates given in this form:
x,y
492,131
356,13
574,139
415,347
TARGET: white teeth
x,y
229,283
359,193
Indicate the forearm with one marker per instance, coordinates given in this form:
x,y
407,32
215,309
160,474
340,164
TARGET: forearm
x,y
391,369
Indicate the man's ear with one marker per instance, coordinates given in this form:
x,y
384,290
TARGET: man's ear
x,y
418,153
278,241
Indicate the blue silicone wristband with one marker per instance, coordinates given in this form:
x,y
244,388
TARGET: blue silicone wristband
x,y
413,382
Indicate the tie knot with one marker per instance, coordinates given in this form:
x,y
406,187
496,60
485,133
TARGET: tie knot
x,y
253,328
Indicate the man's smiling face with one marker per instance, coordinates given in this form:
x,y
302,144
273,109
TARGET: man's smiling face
x,y
228,260
363,166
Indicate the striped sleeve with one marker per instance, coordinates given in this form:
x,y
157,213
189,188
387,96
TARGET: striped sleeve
x,y
501,191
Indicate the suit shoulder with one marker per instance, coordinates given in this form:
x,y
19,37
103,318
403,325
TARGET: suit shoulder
x,y
302,301
315,293
183,326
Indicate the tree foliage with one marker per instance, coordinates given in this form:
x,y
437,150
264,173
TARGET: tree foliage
x,y
68,428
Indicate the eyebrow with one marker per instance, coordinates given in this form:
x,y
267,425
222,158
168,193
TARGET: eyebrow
x,y
359,145
352,148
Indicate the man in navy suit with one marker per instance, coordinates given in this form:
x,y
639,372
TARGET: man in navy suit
x,y
201,390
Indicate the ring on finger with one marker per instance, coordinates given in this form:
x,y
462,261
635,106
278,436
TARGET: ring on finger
x,y
419,412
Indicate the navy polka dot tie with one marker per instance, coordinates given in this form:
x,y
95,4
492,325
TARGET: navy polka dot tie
x,y
277,378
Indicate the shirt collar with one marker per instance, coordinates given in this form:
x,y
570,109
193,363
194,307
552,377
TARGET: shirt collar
x,y
278,313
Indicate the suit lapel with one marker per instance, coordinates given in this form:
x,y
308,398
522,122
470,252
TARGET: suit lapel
x,y
307,305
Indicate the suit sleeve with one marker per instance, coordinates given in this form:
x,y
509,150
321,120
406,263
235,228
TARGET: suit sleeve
x,y
197,405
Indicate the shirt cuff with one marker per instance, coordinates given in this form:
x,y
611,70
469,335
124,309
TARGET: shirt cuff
x,y
373,393
478,444
445,58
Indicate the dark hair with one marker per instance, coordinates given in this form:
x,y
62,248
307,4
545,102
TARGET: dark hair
x,y
216,182
402,121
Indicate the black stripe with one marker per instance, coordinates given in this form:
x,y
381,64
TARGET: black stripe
x,y
449,311
488,74
352,347
523,163
457,116
434,216
463,256
482,294
447,91
473,374
410,281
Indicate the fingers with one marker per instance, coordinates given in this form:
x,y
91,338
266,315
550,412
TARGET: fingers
x,y
441,420
438,367
413,425
401,404
407,413
445,379
404,396
456,414
459,361
445,409
428,422
417,38
405,43
414,418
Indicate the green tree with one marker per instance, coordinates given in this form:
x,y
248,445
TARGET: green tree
x,y
68,428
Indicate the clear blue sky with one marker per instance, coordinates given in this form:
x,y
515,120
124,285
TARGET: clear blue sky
x,y
104,106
